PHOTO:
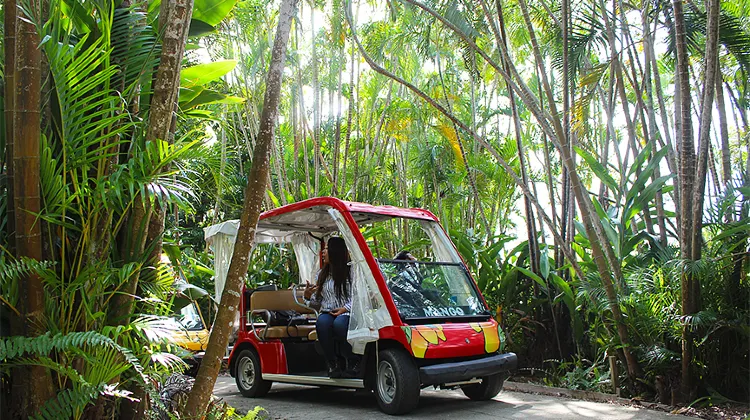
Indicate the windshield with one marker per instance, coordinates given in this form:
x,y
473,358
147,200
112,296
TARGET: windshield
x,y
187,319
431,289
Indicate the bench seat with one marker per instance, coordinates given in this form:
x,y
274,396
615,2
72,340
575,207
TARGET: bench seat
x,y
279,300
284,332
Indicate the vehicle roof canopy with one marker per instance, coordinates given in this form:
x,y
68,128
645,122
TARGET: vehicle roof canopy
x,y
278,225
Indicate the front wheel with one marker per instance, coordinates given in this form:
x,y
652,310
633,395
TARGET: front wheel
x,y
397,382
249,377
485,390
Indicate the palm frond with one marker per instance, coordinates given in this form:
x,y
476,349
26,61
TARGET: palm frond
x,y
43,345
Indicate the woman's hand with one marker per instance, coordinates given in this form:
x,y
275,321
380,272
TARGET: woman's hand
x,y
309,290
339,311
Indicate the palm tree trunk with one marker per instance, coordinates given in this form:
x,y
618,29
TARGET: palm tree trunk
x,y
9,7
35,387
254,191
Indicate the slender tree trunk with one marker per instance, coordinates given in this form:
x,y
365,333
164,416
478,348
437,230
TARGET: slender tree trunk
x,y
687,176
671,154
726,157
655,133
337,134
35,388
534,253
9,8
349,115
316,102
254,191
464,159
704,141
175,16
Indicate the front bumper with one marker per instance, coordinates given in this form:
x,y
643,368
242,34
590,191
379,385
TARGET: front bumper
x,y
444,373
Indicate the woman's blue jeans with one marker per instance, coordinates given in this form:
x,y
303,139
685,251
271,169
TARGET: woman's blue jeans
x,y
332,334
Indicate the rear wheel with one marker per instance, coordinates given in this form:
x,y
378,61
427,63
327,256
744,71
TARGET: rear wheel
x,y
485,390
396,382
248,375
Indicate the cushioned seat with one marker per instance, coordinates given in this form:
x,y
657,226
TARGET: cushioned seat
x,y
262,302
283,332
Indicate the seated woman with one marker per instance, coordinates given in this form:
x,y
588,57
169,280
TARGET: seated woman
x,y
332,293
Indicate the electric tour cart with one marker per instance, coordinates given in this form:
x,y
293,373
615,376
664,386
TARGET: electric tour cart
x,y
438,333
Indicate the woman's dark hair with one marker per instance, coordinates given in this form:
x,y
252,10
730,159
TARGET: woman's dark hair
x,y
337,267
403,255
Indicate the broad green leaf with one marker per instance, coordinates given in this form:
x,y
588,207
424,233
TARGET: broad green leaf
x,y
208,96
638,162
645,175
599,170
641,201
188,94
79,16
530,274
201,74
609,225
544,263
212,11
274,199
199,28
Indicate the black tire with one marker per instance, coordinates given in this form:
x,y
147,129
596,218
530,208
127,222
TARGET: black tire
x,y
485,390
248,375
396,382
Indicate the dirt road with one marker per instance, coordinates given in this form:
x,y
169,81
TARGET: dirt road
x,y
313,403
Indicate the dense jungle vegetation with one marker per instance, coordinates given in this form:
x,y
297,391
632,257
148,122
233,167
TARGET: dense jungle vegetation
x,y
589,158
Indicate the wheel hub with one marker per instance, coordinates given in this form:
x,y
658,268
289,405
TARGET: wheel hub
x,y
246,372
386,382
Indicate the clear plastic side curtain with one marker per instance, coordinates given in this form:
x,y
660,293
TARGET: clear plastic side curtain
x,y
307,249
369,313
442,246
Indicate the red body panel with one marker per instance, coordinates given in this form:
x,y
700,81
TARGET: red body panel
x,y
271,352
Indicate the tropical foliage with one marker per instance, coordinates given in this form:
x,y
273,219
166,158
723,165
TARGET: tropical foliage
x,y
550,138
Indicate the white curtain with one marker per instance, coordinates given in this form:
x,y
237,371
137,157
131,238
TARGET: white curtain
x,y
369,313
306,248
221,239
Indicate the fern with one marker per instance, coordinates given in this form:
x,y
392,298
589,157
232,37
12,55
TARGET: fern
x,y
43,345
68,403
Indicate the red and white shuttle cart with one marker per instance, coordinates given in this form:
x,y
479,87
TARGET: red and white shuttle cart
x,y
441,334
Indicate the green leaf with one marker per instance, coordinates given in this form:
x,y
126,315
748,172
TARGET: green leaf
x,y
274,199
201,74
544,263
209,96
642,156
645,175
641,201
530,274
212,12
599,170
199,28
